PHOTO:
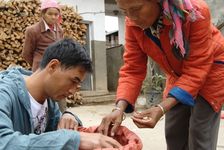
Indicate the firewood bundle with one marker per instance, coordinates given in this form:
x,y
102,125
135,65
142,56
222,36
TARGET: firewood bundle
x,y
16,15
72,24
75,99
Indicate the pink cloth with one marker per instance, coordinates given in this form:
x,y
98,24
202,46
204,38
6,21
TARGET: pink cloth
x,y
128,139
175,11
49,4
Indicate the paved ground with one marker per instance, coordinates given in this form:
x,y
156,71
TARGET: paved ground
x,y
151,138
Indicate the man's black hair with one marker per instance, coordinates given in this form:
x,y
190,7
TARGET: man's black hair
x,y
70,54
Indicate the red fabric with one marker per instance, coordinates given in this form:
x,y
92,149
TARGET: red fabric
x,y
51,27
199,75
128,139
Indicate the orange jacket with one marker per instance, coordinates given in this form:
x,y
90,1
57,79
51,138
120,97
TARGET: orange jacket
x,y
202,72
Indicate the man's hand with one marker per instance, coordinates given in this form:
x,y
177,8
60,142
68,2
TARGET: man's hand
x,y
90,141
147,118
68,121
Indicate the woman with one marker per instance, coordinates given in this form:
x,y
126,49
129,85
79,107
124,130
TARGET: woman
x,y
40,35
180,37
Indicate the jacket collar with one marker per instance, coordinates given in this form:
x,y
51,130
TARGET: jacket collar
x,y
43,28
47,26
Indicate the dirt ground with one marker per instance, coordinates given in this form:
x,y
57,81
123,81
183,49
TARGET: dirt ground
x,y
151,138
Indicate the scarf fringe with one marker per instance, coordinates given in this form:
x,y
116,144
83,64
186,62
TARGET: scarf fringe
x,y
176,10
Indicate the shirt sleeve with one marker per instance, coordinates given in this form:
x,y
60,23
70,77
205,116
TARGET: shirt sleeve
x,y
133,72
29,46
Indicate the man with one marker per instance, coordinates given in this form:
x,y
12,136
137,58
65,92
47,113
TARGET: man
x,y
41,34
28,112
180,37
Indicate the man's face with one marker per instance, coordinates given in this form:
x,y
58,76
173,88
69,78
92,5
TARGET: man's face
x,y
142,12
62,82
51,15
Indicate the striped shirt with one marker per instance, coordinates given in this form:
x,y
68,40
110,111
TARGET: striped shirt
x,y
155,29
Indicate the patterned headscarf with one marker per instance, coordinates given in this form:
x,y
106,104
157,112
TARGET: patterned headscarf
x,y
175,10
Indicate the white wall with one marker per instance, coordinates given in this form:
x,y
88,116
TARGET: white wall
x,y
121,26
91,10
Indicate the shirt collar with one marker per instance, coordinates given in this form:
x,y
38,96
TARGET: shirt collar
x,y
155,30
47,27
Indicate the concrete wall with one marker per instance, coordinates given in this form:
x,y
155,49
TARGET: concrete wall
x,y
114,62
93,12
100,66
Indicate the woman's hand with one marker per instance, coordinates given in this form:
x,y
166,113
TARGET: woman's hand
x,y
147,118
150,117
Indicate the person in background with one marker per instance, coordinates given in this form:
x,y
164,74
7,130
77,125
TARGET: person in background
x,y
180,37
29,116
43,33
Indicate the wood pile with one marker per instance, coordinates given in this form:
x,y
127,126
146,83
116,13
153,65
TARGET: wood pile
x,y
75,99
16,15
72,24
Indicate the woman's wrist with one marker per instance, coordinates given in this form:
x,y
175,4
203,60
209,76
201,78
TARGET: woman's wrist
x,y
168,103
122,104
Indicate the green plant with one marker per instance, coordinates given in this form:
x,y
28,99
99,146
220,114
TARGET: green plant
x,y
157,82
153,81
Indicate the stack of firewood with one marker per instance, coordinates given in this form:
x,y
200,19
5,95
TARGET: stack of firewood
x,y
72,24
75,99
16,15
